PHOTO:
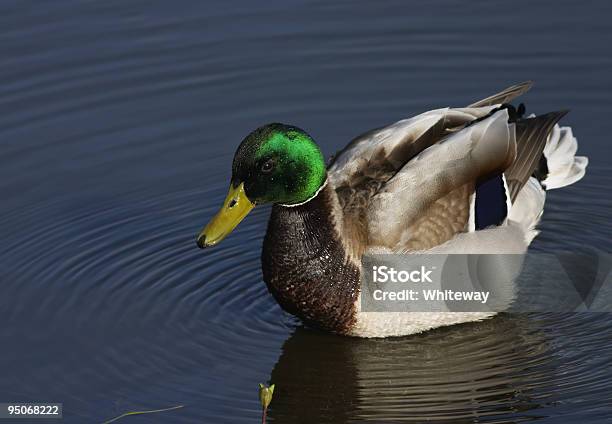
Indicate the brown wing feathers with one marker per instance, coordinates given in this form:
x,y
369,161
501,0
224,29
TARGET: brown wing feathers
x,y
531,136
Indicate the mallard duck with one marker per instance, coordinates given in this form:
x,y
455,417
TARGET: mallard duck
x,y
465,179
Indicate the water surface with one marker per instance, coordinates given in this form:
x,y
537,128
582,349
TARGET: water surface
x,y
117,127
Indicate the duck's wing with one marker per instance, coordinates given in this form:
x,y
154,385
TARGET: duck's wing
x,y
372,159
429,198
471,175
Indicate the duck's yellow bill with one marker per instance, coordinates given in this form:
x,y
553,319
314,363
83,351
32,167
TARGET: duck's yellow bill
x,y
235,207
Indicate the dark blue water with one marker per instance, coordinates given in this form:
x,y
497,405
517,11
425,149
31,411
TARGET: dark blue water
x,y
118,122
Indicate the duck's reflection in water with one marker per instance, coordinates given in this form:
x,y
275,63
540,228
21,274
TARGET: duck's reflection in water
x,y
480,371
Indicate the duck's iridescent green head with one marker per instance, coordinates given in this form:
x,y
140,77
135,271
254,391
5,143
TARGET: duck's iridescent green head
x,y
276,163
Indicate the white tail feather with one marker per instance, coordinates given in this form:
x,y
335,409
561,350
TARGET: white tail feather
x,y
564,168
527,208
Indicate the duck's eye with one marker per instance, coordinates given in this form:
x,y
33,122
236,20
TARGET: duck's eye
x,y
267,166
